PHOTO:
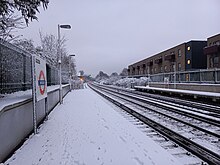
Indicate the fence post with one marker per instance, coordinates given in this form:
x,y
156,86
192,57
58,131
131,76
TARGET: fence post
x,y
215,75
148,75
200,76
24,74
1,63
174,76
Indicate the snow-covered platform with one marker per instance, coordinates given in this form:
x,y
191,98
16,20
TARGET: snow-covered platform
x,y
88,130
211,95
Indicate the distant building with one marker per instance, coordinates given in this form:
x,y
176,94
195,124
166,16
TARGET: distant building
x,y
212,50
183,57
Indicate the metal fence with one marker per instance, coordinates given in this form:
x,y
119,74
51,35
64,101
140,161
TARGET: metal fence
x,y
211,76
15,69
52,76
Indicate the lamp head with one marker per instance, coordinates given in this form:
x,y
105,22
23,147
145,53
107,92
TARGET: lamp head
x,y
65,26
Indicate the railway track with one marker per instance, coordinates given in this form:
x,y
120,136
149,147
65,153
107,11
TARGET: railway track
x,y
174,101
192,128
193,109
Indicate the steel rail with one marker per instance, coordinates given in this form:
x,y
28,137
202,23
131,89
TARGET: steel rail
x,y
168,116
207,107
205,154
195,116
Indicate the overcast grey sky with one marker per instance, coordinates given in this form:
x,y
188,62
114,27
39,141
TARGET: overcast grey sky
x,y
109,35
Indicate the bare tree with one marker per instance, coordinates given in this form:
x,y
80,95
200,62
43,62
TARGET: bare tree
x,y
26,44
124,72
81,73
9,24
49,45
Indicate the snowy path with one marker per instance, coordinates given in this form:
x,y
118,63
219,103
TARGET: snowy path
x,y
86,130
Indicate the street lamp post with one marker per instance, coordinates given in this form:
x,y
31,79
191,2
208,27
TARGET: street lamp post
x,y
59,62
72,55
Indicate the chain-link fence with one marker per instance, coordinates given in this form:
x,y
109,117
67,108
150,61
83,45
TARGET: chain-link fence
x,y
52,76
15,69
211,76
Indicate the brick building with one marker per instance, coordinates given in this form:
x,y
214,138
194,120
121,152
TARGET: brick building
x,y
183,57
212,50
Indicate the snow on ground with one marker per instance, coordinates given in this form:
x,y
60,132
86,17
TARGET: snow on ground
x,y
87,130
201,93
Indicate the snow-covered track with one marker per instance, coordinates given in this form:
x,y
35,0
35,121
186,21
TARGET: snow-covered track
x,y
203,152
215,109
202,112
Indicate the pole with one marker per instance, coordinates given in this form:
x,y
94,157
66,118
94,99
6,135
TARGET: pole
x,y
34,94
46,108
70,74
59,54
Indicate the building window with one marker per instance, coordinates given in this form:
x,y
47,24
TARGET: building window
x,y
188,62
173,52
165,68
179,52
171,68
155,70
216,60
188,48
179,66
211,62
161,69
174,67
216,43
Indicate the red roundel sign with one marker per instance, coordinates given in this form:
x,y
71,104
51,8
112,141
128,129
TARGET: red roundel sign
x,y
42,82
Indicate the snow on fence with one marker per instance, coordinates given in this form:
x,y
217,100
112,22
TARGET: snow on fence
x,y
15,69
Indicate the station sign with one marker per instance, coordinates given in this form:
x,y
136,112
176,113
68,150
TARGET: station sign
x,y
41,78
